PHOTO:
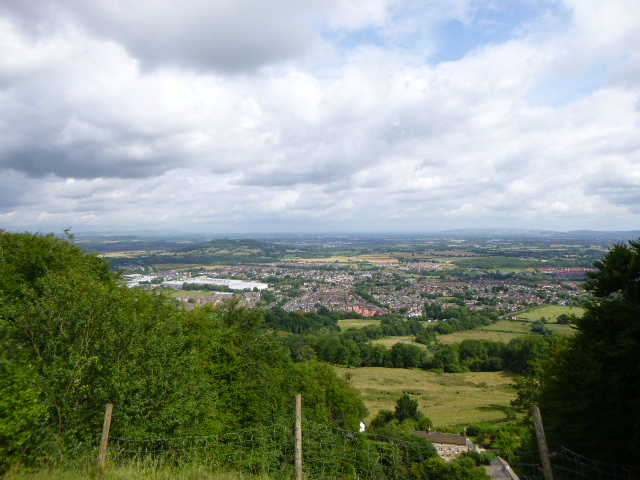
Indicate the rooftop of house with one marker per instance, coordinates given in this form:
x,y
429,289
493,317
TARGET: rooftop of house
x,y
436,437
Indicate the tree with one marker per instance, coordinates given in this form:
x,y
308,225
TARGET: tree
x,y
74,338
406,408
404,355
590,390
447,359
327,397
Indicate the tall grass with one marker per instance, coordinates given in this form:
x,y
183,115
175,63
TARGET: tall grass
x,y
131,472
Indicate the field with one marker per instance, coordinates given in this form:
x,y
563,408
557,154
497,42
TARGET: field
x,y
134,254
332,259
173,293
356,323
440,253
561,329
550,312
449,399
391,341
380,258
502,331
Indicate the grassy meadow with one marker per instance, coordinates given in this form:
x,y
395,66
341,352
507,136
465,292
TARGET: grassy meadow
x,y
379,258
391,341
550,312
331,259
173,293
501,331
356,323
449,399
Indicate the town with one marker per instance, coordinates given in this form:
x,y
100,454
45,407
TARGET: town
x,y
369,288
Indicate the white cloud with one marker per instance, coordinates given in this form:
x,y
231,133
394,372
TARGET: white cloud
x,y
100,127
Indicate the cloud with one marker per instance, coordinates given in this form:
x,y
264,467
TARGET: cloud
x,y
342,113
226,36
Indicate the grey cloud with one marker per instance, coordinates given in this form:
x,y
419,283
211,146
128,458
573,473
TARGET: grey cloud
x,y
114,153
281,176
622,192
14,190
314,159
83,162
225,36
38,19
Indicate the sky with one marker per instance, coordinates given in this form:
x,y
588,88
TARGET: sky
x,y
319,115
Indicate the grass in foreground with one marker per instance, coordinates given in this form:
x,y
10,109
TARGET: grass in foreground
x,y
448,399
130,473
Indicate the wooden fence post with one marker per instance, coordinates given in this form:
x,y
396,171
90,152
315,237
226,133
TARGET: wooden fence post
x,y
542,444
104,440
299,436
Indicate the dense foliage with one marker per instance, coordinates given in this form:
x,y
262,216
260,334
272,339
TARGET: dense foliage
x,y
353,348
297,322
595,383
73,338
457,318
588,385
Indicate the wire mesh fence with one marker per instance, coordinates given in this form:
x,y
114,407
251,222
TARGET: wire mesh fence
x,y
256,450
568,465
333,453
328,452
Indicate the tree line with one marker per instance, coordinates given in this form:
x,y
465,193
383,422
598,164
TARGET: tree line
x,y
588,385
317,336
352,350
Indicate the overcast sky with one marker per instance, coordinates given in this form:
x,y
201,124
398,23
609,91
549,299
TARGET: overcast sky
x,y
319,115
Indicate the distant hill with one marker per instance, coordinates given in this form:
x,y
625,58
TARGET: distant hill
x,y
214,252
235,247
614,236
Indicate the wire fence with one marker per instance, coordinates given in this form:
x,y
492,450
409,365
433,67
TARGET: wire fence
x,y
333,453
329,452
257,450
568,465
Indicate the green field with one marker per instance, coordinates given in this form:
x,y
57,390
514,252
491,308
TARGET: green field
x,y
502,331
448,399
356,323
561,329
551,312
391,341
173,293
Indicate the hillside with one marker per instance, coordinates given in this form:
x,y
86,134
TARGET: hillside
x,y
213,252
